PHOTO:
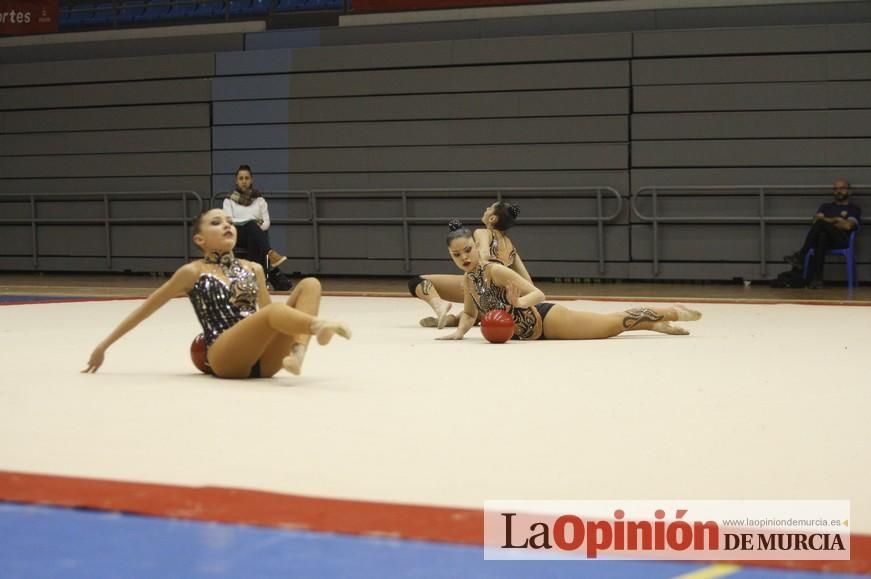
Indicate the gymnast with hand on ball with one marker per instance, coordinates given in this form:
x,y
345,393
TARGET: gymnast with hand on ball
x,y
491,287
245,334
440,291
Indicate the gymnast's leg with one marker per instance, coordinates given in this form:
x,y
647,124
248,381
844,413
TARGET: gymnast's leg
x,y
562,323
289,351
272,334
437,291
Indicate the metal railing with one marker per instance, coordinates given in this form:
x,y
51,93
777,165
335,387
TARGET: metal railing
x,y
106,220
706,191
445,194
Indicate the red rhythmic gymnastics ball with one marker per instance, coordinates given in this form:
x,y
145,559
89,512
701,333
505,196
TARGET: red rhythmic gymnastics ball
x,y
497,326
198,354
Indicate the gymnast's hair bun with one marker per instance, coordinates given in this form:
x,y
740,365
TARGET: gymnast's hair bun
x,y
455,224
513,210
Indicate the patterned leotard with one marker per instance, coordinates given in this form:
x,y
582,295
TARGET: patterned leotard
x,y
220,306
502,250
489,296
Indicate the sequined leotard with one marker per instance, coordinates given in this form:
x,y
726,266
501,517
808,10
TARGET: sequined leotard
x,y
220,306
502,250
489,296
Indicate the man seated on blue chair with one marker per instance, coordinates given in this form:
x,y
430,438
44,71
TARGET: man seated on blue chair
x,y
831,229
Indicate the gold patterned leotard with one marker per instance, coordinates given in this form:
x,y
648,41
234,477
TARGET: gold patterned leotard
x,y
502,250
489,296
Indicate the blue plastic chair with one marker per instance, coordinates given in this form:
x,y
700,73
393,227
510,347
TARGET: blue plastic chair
x,y
209,10
79,15
153,11
180,11
289,5
131,12
104,13
849,258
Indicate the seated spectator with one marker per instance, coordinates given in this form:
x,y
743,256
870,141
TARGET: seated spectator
x,y
831,229
250,213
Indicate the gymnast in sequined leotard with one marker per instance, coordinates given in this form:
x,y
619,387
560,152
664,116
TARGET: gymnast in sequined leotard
x,y
246,334
494,246
490,286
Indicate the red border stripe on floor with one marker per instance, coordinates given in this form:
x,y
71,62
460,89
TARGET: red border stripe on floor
x,y
267,509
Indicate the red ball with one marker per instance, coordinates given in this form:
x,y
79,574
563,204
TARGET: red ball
x,y
198,354
497,326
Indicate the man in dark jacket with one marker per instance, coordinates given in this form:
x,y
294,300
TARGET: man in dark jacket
x,y
831,229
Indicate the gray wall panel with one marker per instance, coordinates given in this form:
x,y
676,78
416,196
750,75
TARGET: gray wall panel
x,y
459,158
569,23
106,165
163,240
283,39
465,79
229,88
741,69
411,32
764,15
544,48
416,81
83,95
735,125
108,69
698,243
362,242
460,179
465,52
737,69
106,118
83,240
534,242
759,40
748,153
434,106
373,56
849,66
199,184
254,62
257,112
167,45
80,143
15,240
731,97
416,133
748,176
260,160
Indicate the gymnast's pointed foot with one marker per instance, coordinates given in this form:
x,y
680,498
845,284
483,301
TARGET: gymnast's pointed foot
x,y
666,328
451,321
293,361
324,330
684,314
442,312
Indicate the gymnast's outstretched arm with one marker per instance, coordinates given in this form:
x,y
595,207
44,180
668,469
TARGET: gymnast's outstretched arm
x,y
467,318
181,281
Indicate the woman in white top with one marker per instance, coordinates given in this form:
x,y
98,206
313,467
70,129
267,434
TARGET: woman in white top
x,y
250,214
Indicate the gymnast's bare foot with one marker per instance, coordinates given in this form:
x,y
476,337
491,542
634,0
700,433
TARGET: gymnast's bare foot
x,y
324,330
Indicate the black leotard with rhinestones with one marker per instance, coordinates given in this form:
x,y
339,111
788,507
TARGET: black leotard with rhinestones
x,y
220,306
